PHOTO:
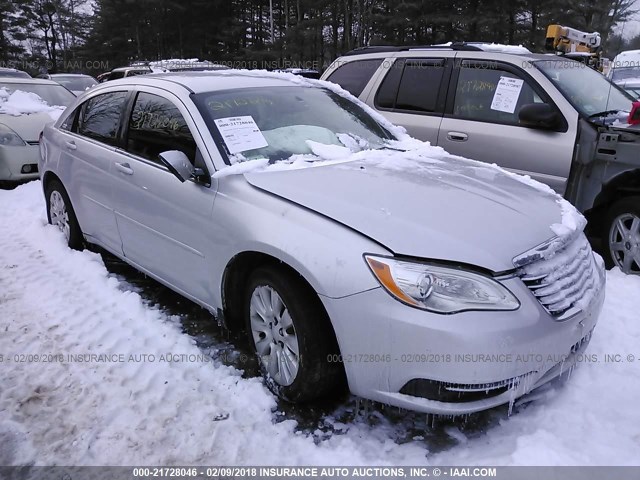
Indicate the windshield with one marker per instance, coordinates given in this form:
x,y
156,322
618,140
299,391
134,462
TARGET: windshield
x,y
54,95
75,83
589,91
278,122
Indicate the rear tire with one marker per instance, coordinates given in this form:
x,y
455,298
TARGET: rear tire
x,y
621,235
291,335
60,213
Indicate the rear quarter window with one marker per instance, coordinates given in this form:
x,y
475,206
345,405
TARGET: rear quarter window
x,y
412,84
354,76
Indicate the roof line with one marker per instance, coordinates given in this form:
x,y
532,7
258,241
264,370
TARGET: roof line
x,y
455,46
159,77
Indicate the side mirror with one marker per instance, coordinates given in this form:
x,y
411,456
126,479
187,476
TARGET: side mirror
x,y
178,164
539,115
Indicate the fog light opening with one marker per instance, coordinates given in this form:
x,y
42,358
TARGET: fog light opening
x,y
29,168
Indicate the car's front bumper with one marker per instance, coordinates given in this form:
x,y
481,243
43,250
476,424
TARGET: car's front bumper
x,y
19,164
391,352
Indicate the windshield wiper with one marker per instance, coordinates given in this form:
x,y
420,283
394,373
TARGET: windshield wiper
x,y
386,147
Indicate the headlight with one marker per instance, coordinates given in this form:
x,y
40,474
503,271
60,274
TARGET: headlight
x,y
10,138
440,289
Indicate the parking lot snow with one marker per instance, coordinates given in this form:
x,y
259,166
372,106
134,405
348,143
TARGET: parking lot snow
x,y
92,375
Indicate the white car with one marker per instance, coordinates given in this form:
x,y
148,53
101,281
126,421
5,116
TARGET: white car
x,y
75,82
13,73
26,106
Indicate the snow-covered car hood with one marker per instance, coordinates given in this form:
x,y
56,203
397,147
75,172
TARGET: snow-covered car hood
x,y
28,126
447,208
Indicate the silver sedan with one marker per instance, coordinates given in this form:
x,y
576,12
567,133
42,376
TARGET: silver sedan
x,y
350,253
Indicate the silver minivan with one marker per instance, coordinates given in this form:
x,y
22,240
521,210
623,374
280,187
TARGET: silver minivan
x,y
348,251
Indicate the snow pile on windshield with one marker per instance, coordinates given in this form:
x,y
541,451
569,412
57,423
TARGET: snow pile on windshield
x,y
25,103
400,155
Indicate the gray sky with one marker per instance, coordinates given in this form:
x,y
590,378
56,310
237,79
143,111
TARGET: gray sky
x,y
632,27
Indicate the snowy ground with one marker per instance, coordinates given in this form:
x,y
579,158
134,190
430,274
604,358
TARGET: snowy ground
x,y
54,301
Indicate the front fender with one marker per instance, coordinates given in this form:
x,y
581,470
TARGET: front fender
x,y
326,253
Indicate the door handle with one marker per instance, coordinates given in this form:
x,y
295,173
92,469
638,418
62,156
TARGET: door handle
x,y
457,136
71,145
124,168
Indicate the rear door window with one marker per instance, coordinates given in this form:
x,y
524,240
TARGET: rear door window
x,y
413,85
100,117
354,76
156,125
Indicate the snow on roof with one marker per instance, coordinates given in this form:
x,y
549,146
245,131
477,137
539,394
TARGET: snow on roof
x,y
24,103
629,53
493,47
630,58
500,48
28,81
580,54
58,75
183,63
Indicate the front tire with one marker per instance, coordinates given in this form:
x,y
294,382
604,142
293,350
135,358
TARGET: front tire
x,y
622,235
291,335
60,213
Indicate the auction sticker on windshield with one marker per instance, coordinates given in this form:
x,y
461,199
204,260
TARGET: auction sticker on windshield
x,y
240,134
507,93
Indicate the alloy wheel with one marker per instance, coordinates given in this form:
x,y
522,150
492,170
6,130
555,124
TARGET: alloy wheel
x,y
624,242
274,335
59,213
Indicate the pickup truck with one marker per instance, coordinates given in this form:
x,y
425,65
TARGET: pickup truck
x,y
545,116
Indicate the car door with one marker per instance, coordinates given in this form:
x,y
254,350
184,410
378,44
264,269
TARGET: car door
x,y
481,122
88,140
412,94
164,224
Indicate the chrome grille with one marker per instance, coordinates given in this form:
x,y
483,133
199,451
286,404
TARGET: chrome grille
x,y
565,281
